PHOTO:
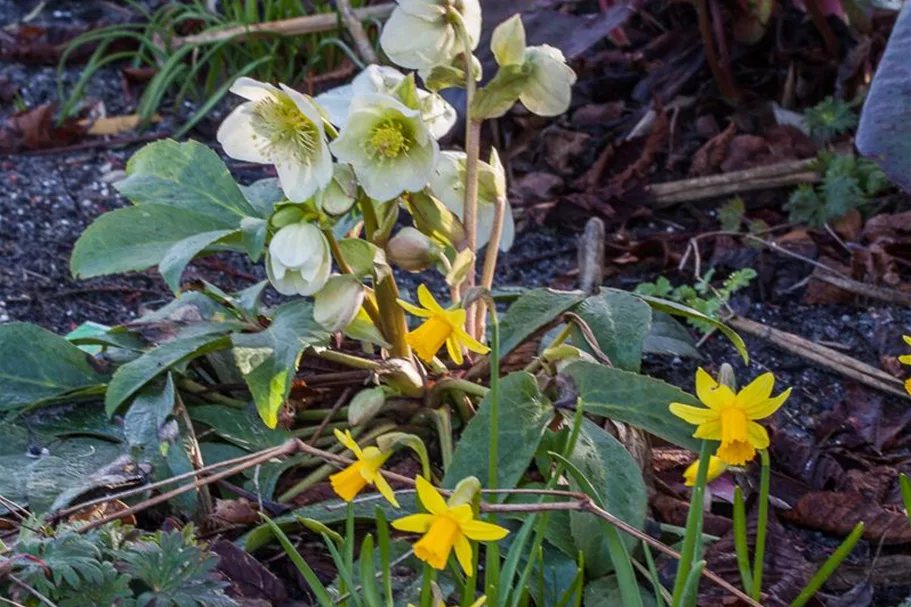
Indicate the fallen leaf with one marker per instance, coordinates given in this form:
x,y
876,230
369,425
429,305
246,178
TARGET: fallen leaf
x,y
36,129
236,512
713,152
114,125
838,512
537,186
562,147
249,578
598,114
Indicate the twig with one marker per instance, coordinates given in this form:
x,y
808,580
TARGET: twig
x,y
490,263
825,357
356,29
342,399
34,592
287,27
772,176
205,498
591,256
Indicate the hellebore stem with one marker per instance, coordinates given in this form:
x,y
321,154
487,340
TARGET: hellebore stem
x,y
370,307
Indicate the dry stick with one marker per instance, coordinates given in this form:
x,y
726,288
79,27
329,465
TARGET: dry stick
x,y
591,256
287,27
34,592
168,481
195,456
342,399
356,29
490,263
825,357
772,176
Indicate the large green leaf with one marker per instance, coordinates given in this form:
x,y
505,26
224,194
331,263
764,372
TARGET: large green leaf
x,y
531,312
136,238
523,415
147,414
635,399
677,309
620,322
668,336
884,133
135,374
605,592
616,477
189,176
268,359
37,365
239,427
181,253
263,195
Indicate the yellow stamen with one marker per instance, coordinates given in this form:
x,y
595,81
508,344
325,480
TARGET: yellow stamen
x,y
436,545
284,127
389,139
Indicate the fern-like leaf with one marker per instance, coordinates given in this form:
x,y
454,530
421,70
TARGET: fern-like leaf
x,y
73,560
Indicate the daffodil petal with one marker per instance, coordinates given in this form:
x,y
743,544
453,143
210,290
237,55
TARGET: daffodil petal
x,y
469,342
905,359
483,532
430,497
464,555
693,415
758,435
455,350
426,299
414,523
413,309
385,490
461,513
712,395
349,442
756,391
907,339
767,407
710,430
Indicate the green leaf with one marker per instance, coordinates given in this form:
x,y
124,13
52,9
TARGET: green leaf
x,y
365,258
134,375
188,176
635,399
676,309
669,337
268,359
135,238
620,322
253,236
531,312
524,414
433,219
181,253
605,592
616,477
263,195
37,365
239,427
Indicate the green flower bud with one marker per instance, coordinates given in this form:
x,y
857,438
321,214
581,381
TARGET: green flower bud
x,y
411,250
365,405
464,492
338,302
508,41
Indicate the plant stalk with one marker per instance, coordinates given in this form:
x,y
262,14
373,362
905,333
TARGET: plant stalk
x,y
693,526
490,263
761,525
370,307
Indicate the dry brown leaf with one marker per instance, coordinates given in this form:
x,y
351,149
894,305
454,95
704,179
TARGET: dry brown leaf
x,y
838,513
713,152
114,125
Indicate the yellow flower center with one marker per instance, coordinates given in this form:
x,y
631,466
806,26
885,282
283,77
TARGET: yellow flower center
x,y
736,448
389,140
429,337
436,545
349,482
284,128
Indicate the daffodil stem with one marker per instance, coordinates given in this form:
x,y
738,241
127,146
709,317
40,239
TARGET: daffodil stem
x,y
393,324
369,306
741,547
490,262
349,360
761,524
426,596
693,526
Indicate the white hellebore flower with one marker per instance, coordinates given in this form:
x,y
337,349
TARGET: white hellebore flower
x,y
282,127
448,185
299,260
388,145
421,34
439,115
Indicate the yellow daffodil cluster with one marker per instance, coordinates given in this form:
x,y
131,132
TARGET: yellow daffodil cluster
x,y
731,418
445,526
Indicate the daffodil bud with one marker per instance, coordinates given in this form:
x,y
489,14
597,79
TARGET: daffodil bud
x,y
459,270
336,305
563,355
365,405
411,250
508,41
464,492
401,375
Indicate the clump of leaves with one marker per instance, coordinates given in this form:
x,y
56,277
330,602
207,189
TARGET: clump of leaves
x,y
829,119
701,296
848,182
114,566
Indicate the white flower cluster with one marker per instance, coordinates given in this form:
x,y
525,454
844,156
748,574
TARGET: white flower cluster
x,y
378,135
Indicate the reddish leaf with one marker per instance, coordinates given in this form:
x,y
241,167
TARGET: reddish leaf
x,y
710,156
837,513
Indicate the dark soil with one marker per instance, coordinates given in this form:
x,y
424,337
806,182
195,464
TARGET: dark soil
x,y
49,198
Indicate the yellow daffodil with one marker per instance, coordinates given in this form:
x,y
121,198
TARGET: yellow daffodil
x,y
905,359
717,467
445,527
365,471
731,418
441,327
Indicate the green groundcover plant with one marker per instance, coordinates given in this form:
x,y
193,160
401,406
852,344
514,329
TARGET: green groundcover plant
x,y
535,503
